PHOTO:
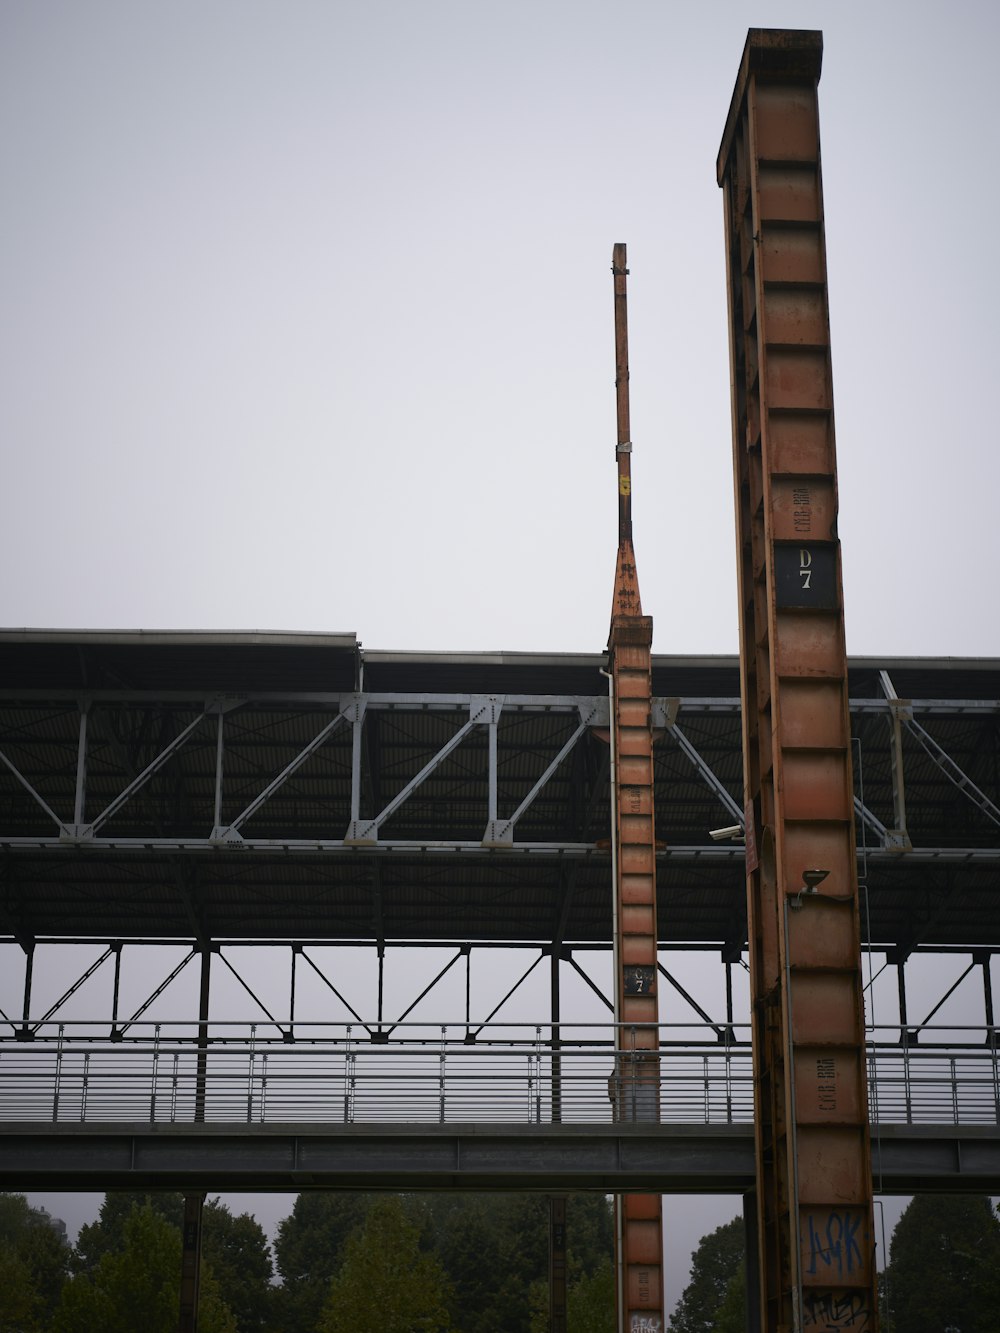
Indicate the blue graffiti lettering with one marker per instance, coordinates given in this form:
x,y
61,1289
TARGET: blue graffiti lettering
x,y
836,1242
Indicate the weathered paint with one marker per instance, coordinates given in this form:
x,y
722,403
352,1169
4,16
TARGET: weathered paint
x,y
814,1194
636,1081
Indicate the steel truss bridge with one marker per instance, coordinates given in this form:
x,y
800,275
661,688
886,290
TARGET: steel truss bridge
x,y
300,795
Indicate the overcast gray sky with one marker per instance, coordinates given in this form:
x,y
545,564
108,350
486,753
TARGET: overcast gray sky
x,y
307,316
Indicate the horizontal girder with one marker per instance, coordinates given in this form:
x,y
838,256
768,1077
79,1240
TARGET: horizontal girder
x,y
681,1159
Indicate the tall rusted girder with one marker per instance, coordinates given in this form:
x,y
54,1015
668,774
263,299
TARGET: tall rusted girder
x,y
635,1088
814,1182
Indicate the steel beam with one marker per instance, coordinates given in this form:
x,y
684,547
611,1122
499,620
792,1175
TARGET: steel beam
x,y
682,1159
812,1133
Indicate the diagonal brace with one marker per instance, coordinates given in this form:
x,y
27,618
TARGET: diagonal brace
x,y
286,772
124,1027
256,998
591,983
517,984
952,771
873,822
30,789
426,990
73,989
706,771
149,771
330,986
502,831
366,830
718,1028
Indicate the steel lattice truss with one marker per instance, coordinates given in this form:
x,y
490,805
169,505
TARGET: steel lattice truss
x,y
218,787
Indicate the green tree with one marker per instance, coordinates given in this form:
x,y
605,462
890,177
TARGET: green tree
x,y
713,1264
590,1305
308,1249
385,1281
944,1266
138,1285
732,1316
234,1249
20,1303
106,1235
495,1249
34,1261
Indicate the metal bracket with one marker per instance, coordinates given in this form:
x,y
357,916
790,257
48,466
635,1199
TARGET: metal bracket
x,y
499,833
896,840
354,707
223,703
664,713
362,833
224,836
485,709
76,832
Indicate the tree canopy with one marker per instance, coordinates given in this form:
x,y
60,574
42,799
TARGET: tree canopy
x,y
492,1248
944,1266
385,1281
714,1264
234,1249
34,1260
138,1285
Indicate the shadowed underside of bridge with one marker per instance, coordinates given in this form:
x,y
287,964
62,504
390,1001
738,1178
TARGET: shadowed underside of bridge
x,y
295,787
684,1159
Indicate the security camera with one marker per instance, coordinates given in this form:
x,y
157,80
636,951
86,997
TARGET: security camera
x,y
726,834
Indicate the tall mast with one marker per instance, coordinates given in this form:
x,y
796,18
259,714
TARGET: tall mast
x,y
639,1232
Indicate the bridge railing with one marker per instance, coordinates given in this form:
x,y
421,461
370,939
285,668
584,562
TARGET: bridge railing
x,y
457,1073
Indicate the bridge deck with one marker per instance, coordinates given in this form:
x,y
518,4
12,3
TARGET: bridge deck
x,y
669,1159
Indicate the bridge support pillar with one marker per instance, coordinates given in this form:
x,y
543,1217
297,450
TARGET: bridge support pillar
x,y
557,1263
814,1180
190,1263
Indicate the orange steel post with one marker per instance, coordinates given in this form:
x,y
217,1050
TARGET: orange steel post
x,y
636,1090
814,1186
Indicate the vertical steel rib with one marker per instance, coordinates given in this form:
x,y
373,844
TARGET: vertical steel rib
x,y
636,1088
810,1090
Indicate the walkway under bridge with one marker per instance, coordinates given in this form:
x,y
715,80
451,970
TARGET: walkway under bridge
x,y
453,1107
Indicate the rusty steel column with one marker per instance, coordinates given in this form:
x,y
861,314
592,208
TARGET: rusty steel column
x,y
811,1106
557,1263
636,1091
190,1263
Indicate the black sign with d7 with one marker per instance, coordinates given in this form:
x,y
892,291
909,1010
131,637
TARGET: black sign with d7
x,y
806,576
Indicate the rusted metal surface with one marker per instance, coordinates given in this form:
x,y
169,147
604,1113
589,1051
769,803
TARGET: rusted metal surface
x,y
557,1263
191,1263
812,1136
636,1090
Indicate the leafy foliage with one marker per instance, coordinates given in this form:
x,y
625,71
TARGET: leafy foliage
x,y
138,1285
590,1306
385,1281
732,1316
493,1249
308,1248
713,1264
944,1266
34,1259
107,1234
234,1249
